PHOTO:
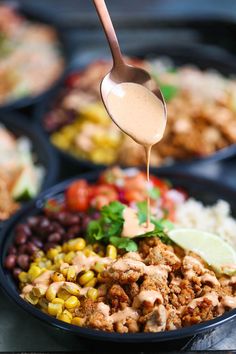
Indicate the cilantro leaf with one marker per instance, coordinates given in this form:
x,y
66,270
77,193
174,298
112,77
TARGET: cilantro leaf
x,y
154,193
124,243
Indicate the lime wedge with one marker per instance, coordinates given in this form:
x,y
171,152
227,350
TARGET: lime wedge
x,y
24,187
213,249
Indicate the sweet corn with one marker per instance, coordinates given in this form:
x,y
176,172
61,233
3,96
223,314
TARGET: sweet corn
x,y
72,302
58,301
54,309
111,252
31,298
65,247
34,272
56,276
66,312
69,257
64,317
77,321
100,278
91,283
99,267
43,303
52,253
77,244
63,294
23,277
71,288
39,291
71,274
64,271
92,294
51,293
86,277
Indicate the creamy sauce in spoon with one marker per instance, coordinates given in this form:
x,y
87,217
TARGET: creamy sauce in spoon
x,y
140,114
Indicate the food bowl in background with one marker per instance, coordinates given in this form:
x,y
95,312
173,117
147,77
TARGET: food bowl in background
x,y
214,330
201,56
43,154
50,35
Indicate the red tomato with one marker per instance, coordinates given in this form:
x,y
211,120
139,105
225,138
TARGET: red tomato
x,y
102,195
134,195
77,196
161,184
137,182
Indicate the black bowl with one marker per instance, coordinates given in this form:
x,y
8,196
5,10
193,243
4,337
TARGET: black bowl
x,y
45,155
203,189
65,51
205,57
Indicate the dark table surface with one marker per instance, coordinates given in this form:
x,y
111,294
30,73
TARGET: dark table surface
x,y
19,331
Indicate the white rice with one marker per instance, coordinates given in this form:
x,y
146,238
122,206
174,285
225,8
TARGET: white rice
x,y
215,219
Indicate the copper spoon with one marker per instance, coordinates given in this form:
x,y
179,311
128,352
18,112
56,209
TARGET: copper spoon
x,y
121,72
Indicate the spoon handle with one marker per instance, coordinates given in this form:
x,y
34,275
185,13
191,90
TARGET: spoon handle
x,y
107,25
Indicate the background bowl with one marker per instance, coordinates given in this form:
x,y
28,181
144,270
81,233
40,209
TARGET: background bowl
x,y
65,53
204,57
45,155
201,188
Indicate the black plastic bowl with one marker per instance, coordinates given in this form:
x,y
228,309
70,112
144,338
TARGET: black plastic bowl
x,y
45,155
65,52
204,57
203,189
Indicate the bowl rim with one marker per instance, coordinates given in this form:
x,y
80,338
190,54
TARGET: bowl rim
x,y
204,52
5,282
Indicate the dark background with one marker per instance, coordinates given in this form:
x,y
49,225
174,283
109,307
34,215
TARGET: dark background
x,y
146,22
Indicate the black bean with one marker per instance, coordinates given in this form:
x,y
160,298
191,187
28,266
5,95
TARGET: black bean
x,y
22,249
23,261
74,230
31,248
44,224
55,237
23,228
67,237
48,245
33,221
12,250
71,219
20,238
16,272
10,261
56,227
37,242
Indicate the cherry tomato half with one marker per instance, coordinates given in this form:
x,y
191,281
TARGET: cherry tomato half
x,y
77,196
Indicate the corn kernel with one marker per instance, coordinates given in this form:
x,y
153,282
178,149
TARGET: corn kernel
x,y
77,321
69,257
65,247
100,278
77,244
58,301
99,267
63,294
43,303
56,276
33,300
34,272
91,283
86,277
111,252
72,302
92,294
52,253
51,293
65,318
39,291
71,274
66,312
71,288
54,309
23,277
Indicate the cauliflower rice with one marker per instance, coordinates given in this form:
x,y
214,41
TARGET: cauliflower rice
x,y
215,219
